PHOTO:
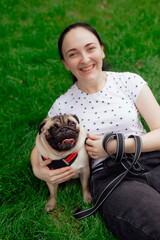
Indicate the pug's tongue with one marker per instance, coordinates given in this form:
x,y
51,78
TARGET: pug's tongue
x,y
70,140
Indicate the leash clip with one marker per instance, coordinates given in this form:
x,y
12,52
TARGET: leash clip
x,y
65,162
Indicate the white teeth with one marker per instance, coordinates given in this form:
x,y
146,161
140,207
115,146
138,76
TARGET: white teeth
x,y
87,69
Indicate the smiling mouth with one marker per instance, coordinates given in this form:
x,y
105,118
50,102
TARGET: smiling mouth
x,y
85,69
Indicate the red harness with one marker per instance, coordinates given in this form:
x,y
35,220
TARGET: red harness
x,y
64,162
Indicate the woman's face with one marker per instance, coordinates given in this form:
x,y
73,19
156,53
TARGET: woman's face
x,y
83,54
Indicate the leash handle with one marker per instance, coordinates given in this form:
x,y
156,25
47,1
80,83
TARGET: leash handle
x,y
132,165
120,145
81,214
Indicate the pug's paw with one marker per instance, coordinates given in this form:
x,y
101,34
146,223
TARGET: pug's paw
x,y
87,197
50,206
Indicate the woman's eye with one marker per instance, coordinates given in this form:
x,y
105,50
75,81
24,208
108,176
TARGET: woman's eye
x,y
72,55
91,48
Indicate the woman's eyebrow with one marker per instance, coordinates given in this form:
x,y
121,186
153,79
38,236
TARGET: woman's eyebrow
x,y
74,49
70,50
89,44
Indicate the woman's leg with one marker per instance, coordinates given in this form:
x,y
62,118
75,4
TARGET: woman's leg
x,y
132,212
151,164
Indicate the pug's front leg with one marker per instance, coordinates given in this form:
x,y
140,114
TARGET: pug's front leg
x,y
52,199
84,178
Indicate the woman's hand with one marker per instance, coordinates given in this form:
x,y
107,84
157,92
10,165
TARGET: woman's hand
x,y
42,171
94,147
53,176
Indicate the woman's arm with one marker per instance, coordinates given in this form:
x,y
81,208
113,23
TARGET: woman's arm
x,y
150,111
42,172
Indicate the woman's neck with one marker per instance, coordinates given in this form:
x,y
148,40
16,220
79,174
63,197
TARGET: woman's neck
x,y
93,86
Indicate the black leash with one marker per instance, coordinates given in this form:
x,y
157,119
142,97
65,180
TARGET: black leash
x,y
130,165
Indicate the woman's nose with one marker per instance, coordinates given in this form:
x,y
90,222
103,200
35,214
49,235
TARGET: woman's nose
x,y
85,58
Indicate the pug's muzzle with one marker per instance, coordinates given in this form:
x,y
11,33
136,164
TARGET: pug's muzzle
x,y
62,138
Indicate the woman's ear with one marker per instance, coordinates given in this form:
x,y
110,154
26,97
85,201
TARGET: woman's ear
x,y
66,66
102,50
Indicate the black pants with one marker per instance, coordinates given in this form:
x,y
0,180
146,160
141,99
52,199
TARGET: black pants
x,y
132,211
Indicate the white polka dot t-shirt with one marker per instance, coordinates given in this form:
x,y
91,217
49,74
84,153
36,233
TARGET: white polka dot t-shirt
x,y
112,109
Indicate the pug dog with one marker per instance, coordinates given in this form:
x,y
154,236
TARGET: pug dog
x,y
62,139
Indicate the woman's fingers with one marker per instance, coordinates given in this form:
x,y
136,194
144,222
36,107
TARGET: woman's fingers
x,y
61,175
89,142
45,163
94,147
55,176
92,140
94,137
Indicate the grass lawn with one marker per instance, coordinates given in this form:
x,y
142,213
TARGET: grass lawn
x,y
32,77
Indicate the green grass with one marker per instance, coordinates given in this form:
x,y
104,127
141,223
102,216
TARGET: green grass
x,y
32,77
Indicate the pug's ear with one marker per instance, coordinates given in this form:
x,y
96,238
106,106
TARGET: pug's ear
x,y
75,116
41,126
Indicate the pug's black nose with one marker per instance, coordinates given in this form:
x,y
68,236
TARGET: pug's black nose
x,y
64,130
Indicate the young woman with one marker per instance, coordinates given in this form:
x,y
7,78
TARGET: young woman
x,y
111,102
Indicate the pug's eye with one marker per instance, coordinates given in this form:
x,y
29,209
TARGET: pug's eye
x,y
72,124
53,128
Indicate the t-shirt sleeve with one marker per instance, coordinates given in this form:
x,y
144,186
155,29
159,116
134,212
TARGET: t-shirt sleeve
x,y
135,85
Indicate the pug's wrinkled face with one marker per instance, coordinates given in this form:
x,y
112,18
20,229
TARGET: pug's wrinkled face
x,y
61,131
